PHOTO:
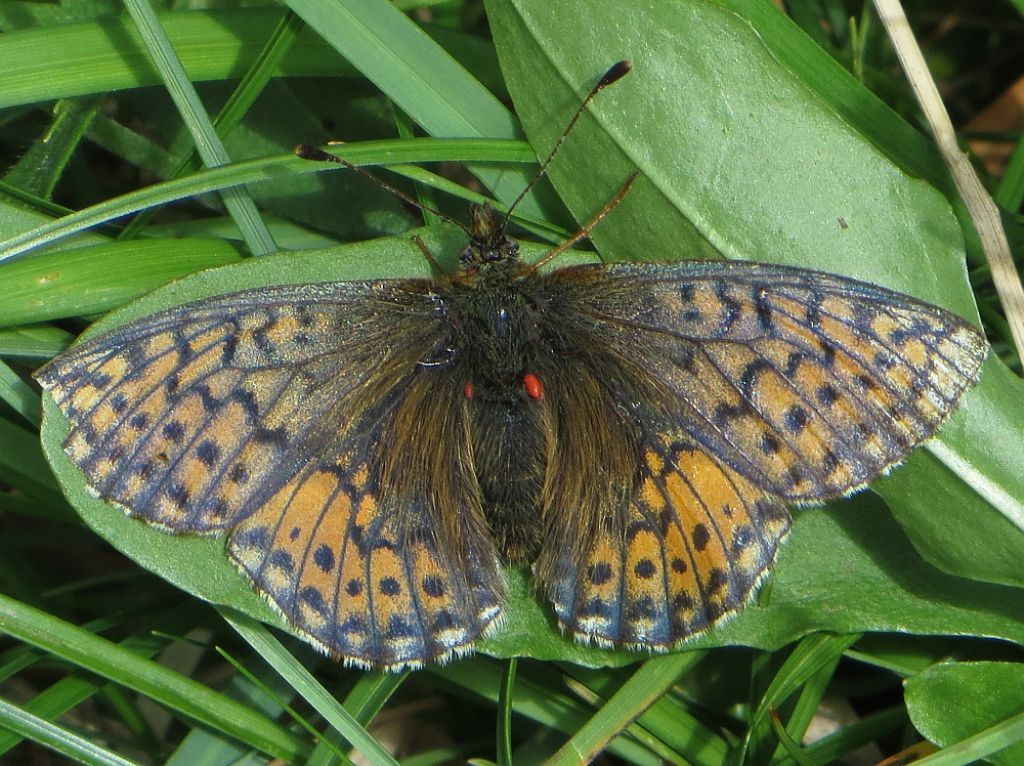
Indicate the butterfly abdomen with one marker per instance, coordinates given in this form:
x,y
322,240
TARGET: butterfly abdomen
x,y
509,454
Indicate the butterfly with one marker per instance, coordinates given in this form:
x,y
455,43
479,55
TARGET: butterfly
x,y
378,451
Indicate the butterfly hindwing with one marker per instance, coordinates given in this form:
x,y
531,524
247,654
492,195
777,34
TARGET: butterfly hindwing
x,y
374,578
693,543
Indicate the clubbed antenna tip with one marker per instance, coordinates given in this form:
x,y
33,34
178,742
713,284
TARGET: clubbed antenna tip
x,y
306,152
617,71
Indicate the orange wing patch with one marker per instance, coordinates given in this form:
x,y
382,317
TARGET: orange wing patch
x,y
689,551
372,585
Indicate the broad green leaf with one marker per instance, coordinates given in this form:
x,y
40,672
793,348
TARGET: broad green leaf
x,y
949,703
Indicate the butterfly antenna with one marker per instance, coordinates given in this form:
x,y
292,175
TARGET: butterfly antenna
x,y
585,231
306,152
614,74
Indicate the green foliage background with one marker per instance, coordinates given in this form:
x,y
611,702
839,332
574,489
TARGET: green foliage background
x,y
757,135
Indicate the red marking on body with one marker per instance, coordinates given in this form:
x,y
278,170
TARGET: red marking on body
x,y
533,386
467,390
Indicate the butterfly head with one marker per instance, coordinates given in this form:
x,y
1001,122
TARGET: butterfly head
x,y
488,242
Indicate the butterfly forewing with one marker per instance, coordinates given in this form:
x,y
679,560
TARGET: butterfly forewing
x,y
182,418
274,413
806,383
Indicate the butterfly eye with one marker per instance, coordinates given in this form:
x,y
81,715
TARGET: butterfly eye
x,y
533,386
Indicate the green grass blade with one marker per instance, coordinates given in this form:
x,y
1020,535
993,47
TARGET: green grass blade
x,y
835,746
261,169
33,342
645,687
23,464
57,738
208,144
192,699
504,720
19,396
74,689
419,76
39,169
93,280
67,60
241,99
365,699
810,656
535,700
306,685
790,745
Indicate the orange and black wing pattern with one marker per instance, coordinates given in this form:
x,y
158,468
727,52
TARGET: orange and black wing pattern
x,y
686,551
753,386
375,577
270,413
808,384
